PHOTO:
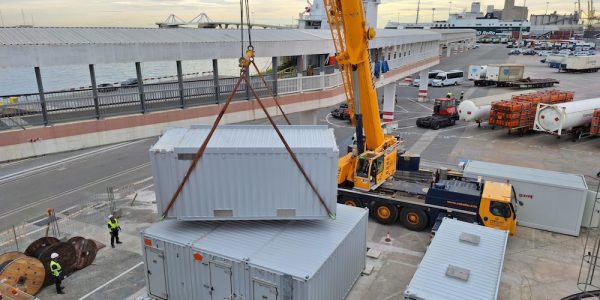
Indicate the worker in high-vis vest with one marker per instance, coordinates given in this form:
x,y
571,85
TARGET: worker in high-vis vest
x,y
113,228
56,271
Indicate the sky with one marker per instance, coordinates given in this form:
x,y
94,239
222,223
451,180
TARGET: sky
x,y
144,13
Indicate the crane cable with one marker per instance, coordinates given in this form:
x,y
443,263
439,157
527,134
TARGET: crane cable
x,y
245,61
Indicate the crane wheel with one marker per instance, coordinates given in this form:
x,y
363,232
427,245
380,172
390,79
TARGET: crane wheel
x,y
352,202
385,213
413,219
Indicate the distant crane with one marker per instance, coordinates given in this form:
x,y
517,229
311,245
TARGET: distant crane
x,y
591,18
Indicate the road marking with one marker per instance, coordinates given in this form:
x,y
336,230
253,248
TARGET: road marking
x,y
34,170
415,102
333,124
112,280
402,108
47,199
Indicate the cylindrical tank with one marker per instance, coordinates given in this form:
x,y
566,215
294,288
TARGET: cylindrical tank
x,y
478,109
555,118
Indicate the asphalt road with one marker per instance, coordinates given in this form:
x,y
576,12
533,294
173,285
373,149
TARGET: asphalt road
x,y
69,178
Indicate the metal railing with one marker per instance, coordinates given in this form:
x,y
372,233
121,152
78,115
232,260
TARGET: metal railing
x,y
75,105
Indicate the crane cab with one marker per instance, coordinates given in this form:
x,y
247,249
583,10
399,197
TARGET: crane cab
x,y
374,168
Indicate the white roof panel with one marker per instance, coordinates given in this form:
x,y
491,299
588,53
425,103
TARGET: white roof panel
x,y
483,261
274,245
239,137
553,178
51,46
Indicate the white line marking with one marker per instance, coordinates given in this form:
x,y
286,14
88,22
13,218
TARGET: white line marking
x,y
36,169
333,124
402,108
112,280
415,102
38,202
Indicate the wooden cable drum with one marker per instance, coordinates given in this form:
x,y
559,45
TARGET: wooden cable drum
x,y
66,258
85,251
37,246
8,256
24,273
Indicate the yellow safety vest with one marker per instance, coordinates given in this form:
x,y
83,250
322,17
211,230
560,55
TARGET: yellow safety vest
x,y
55,268
113,225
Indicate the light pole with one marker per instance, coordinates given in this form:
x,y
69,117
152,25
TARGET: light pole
x,y
449,7
433,15
544,19
418,10
521,24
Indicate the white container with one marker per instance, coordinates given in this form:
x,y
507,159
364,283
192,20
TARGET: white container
x,y
556,118
246,173
299,260
552,201
477,72
581,62
478,109
477,250
505,72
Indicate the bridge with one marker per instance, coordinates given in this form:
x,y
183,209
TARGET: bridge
x,y
204,21
47,122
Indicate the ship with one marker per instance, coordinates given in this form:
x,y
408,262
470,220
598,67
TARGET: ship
x,y
486,24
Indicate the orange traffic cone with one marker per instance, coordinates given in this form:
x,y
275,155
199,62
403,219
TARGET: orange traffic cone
x,y
387,237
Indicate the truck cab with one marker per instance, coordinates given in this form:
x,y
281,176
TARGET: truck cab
x,y
491,201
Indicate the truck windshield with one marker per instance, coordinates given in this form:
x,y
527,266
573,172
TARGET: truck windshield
x,y
500,209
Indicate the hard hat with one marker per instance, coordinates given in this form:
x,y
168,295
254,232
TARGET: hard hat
x,y
110,216
54,255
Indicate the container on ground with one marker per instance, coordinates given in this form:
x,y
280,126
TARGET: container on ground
x,y
463,261
505,72
246,173
584,63
552,201
299,259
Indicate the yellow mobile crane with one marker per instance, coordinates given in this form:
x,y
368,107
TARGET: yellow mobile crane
x,y
367,175
376,156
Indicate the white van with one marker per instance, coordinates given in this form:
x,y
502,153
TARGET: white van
x,y
432,75
454,77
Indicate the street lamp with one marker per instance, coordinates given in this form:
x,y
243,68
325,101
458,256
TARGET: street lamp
x,y
544,19
449,7
433,15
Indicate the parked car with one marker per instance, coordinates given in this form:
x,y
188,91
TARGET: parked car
x,y
106,87
529,52
475,46
510,45
341,112
130,82
514,52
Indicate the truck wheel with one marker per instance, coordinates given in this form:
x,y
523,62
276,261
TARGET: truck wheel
x,y
385,213
435,125
352,202
413,219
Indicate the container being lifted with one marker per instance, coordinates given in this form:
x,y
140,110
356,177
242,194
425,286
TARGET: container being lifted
x,y
552,201
584,63
300,260
246,173
463,261
573,117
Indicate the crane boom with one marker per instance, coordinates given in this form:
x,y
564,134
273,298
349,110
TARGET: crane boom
x,y
375,161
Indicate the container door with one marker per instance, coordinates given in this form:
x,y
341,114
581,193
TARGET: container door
x,y
264,291
157,283
220,281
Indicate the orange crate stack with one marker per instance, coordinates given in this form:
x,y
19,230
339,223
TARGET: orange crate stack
x,y
511,114
595,129
519,112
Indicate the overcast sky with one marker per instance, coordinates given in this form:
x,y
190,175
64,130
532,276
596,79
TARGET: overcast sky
x,y
143,13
